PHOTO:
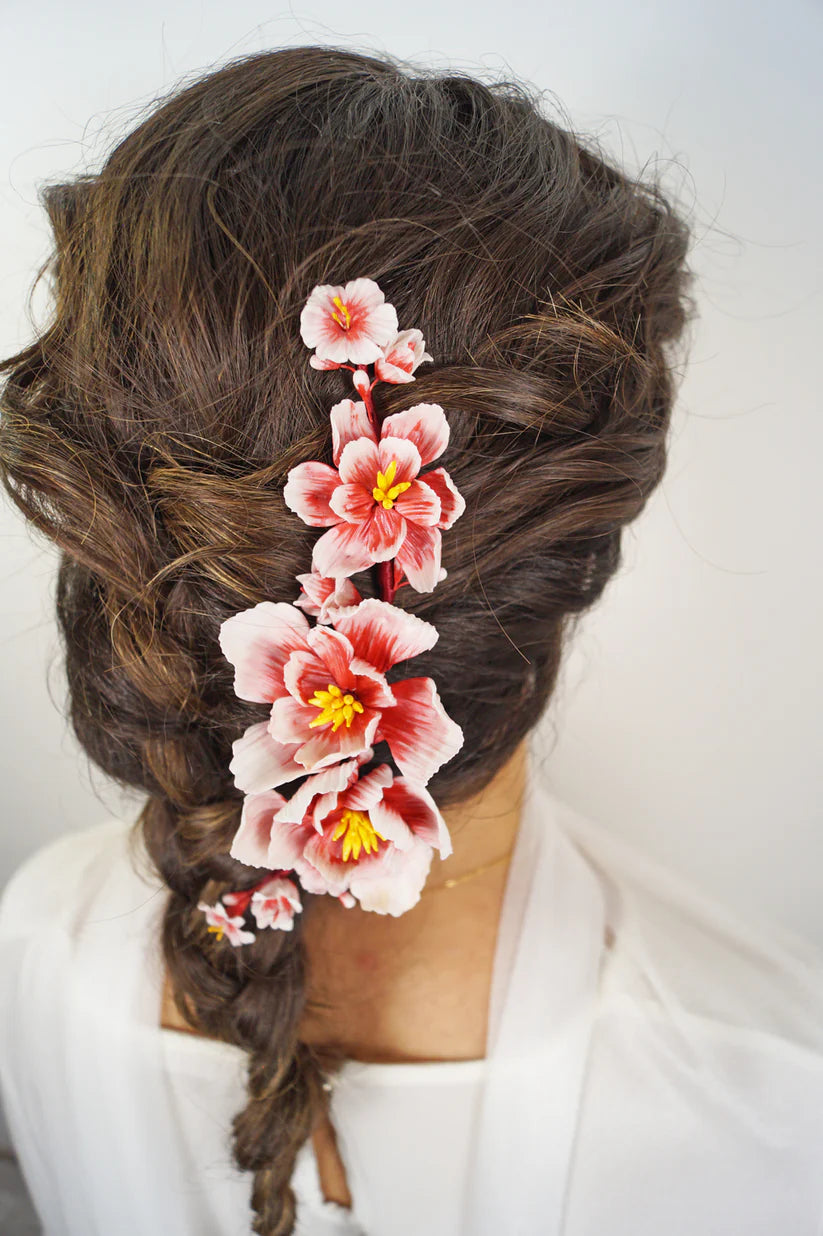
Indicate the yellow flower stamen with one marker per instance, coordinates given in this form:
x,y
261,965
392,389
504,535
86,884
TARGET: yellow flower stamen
x,y
385,492
335,707
360,834
345,320
219,931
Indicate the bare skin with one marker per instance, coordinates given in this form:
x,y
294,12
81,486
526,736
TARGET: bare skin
x,y
415,987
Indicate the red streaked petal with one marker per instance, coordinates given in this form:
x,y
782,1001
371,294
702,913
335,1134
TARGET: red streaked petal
x,y
419,557
352,503
452,503
384,635
326,746
419,813
366,791
425,425
349,421
336,653
251,841
360,463
419,504
371,687
304,674
260,763
402,453
342,551
258,642
286,844
419,731
307,491
329,781
384,533
289,721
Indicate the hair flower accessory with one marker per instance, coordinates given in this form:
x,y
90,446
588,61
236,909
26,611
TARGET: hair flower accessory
x,y
351,829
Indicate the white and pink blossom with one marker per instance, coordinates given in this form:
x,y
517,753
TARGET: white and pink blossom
x,y
372,839
401,356
372,502
223,923
352,322
330,699
275,903
324,597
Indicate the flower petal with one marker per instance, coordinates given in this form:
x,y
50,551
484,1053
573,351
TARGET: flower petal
x,y
290,723
335,652
287,843
308,490
360,463
304,674
419,731
387,372
365,792
419,556
452,503
384,533
275,903
425,425
349,421
342,551
323,597
403,454
354,503
315,315
393,884
415,808
258,642
331,781
260,762
384,635
323,856
401,356
251,841
371,687
313,882
419,504
348,323
326,747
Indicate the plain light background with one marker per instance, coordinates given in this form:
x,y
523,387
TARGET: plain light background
x,y
687,717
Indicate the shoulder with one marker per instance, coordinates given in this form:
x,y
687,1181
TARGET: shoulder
x,y
59,880
682,953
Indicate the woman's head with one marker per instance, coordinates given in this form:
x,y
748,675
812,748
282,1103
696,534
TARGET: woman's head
x,y
150,429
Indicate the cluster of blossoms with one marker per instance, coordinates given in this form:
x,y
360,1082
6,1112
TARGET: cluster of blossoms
x,y
360,833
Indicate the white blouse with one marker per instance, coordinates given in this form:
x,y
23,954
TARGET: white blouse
x,y
668,1085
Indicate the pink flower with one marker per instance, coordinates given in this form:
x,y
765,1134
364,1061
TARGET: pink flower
x,y
221,922
401,357
328,692
372,503
349,323
275,903
324,597
372,837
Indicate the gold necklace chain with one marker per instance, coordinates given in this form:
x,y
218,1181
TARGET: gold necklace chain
x,y
459,879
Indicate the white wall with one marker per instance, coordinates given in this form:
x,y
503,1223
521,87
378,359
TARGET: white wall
x,y
688,713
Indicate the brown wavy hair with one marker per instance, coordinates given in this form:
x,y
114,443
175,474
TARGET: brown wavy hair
x,y
149,429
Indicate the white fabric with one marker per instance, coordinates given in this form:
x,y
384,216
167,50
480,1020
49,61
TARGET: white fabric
x,y
671,1084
